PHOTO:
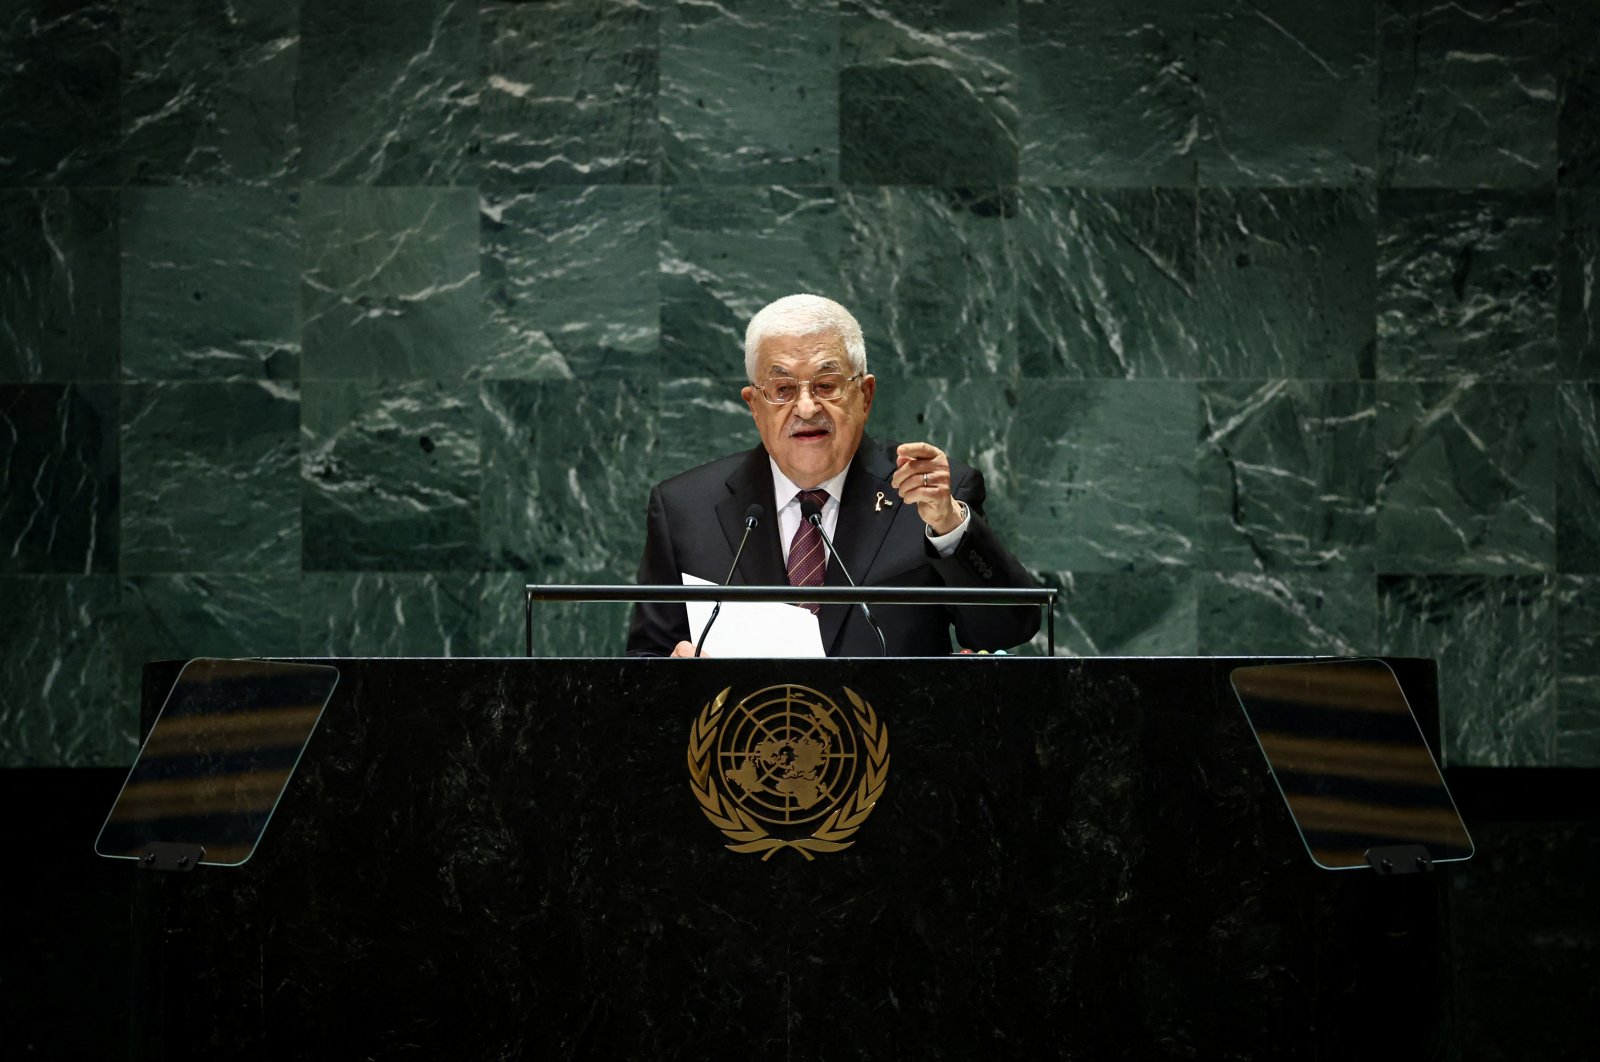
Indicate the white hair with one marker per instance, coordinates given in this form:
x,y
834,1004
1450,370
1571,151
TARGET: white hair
x,y
804,315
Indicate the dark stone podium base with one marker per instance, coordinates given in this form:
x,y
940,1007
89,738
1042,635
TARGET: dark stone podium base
x,y
486,859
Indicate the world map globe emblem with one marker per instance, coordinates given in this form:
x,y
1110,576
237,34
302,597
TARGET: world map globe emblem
x,y
787,755
788,768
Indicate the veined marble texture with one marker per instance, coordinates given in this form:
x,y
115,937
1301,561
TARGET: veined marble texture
x,y
571,280
326,327
60,62
1466,285
1577,738
390,283
903,246
59,469
566,474
1105,474
1226,93
1466,93
388,92
208,477
560,629
1286,92
728,251
1286,283
58,285
498,630
208,98
1578,96
1466,479
1288,476
750,92
1494,639
1146,613
566,479
1578,278
570,92
702,418
927,92
389,476
1106,93
1292,614
209,284
62,698
1578,478
1107,281
389,614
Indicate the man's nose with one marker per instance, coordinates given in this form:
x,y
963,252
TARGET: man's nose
x,y
805,407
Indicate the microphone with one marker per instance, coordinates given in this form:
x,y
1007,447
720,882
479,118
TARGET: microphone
x,y
811,513
752,517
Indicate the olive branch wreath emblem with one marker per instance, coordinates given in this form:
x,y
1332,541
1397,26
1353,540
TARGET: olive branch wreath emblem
x,y
742,828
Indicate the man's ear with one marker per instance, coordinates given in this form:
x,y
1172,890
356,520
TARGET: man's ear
x,y
749,396
869,385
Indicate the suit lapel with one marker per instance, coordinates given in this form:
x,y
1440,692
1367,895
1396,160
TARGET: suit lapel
x,y
862,528
762,562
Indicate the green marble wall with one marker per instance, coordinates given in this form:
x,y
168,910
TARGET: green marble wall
x,y
323,327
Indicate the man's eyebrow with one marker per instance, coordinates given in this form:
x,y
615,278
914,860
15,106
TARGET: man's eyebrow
x,y
830,365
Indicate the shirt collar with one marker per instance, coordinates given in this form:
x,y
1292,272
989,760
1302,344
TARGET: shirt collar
x,y
783,488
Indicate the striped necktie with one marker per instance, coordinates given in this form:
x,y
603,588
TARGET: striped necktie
x,y
807,558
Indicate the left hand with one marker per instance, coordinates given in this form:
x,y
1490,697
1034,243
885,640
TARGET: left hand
x,y
922,477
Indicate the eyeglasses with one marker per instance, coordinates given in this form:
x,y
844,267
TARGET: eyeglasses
x,y
828,387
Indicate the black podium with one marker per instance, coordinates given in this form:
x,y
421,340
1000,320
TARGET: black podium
x,y
1033,858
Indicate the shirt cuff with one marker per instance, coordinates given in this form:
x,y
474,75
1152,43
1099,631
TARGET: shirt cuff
x,y
945,545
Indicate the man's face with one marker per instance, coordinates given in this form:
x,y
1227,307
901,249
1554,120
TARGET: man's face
x,y
811,441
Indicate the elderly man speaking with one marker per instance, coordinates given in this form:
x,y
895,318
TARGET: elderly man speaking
x,y
899,515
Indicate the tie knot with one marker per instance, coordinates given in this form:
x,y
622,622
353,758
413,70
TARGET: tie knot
x,y
817,496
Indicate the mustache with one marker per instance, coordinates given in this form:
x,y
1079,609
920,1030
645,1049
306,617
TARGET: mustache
x,y
820,422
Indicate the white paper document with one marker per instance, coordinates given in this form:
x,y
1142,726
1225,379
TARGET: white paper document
x,y
753,628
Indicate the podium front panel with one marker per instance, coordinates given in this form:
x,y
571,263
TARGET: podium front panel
x,y
518,858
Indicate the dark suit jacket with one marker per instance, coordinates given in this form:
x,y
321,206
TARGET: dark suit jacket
x,y
697,518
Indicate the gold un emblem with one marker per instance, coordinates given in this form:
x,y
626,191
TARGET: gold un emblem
x,y
784,761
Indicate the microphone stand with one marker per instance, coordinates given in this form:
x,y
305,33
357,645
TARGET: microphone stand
x,y
752,516
812,514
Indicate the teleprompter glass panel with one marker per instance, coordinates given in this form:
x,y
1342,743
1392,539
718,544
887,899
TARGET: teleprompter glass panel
x,y
1350,760
218,758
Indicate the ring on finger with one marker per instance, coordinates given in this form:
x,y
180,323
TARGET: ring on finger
x,y
924,479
